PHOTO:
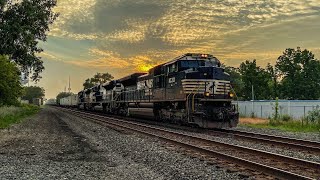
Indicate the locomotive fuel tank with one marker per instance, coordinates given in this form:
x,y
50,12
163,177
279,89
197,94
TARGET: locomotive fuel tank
x,y
142,112
141,105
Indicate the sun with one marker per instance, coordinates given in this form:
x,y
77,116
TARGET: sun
x,y
145,67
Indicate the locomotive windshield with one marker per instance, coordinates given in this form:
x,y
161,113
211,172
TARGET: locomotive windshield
x,y
212,63
187,64
191,64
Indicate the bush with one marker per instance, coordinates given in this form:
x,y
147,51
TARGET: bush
x,y
314,115
285,118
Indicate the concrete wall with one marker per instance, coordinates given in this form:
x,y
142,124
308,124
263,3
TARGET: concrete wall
x,y
266,108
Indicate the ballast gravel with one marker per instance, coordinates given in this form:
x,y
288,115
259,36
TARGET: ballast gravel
x,y
56,145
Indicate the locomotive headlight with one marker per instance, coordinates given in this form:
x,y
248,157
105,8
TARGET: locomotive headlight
x,y
207,94
231,95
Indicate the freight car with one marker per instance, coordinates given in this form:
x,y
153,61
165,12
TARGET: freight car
x,y
70,101
191,89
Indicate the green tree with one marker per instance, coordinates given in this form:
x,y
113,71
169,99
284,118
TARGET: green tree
x,y
33,92
22,25
88,84
98,78
62,95
236,80
259,78
10,88
300,74
273,83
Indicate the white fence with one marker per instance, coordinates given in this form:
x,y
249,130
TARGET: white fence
x,y
265,108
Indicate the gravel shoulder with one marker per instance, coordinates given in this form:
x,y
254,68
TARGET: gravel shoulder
x,y
56,145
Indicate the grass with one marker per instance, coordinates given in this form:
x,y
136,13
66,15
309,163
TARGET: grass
x,y
11,115
290,125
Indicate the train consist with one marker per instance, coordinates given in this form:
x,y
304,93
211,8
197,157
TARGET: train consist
x,y
191,89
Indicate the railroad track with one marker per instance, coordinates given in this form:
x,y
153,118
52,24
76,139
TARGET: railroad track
x,y
261,163
311,147
304,145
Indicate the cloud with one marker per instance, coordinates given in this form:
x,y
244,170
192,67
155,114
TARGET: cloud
x,y
77,14
140,34
170,22
48,55
102,59
111,60
101,63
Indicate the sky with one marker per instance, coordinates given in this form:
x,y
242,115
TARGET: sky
x,y
126,36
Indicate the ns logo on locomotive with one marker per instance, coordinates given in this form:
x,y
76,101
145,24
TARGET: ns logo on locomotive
x,y
190,89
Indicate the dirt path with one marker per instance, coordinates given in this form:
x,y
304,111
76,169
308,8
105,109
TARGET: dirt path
x,y
253,121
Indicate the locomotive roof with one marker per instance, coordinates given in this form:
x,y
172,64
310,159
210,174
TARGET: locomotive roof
x,y
190,57
131,76
187,56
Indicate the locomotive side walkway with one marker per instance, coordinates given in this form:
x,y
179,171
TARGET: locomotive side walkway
x,y
55,145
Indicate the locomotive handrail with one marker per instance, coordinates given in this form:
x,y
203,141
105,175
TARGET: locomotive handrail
x,y
187,102
194,94
137,94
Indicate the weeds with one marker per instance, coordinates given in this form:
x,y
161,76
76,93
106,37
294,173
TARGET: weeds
x,y
311,123
11,115
7,111
275,117
292,126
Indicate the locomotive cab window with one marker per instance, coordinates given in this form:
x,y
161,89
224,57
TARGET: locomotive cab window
x,y
159,82
172,68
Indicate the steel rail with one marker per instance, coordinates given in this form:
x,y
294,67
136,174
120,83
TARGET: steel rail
x,y
277,140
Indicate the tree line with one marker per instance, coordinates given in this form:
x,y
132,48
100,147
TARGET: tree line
x,y
23,24
295,75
